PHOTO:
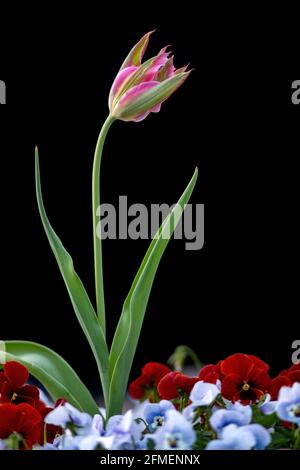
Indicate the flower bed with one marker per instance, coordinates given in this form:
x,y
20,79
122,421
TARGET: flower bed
x,y
233,405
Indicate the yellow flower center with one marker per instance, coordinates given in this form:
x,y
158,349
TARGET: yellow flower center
x,y
14,397
246,387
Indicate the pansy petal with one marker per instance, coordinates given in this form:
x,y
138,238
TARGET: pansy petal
x,y
155,371
231,386
137,388
28,394
237,363
204,393
2,378
276,385
258,362
167,388
16,374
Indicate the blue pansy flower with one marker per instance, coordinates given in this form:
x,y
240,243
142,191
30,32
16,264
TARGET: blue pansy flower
x,y
288,406
155,413
252,436
125,431
66,414
268,406
176,434
202,394
237,414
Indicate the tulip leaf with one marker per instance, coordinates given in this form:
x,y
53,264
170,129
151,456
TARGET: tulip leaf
x,y
83,308
53,372
129,327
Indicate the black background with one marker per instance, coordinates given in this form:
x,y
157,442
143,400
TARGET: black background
x,y
233,118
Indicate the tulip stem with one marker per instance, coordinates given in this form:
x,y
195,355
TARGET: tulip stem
x,y
97,233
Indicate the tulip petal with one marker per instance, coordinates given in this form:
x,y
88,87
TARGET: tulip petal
x,y
144,97
167,70
181,69
145,72
132,95
117,85
136,54
158,62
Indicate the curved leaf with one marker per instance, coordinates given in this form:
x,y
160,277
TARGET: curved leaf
x,y
59,379
131,320
83,308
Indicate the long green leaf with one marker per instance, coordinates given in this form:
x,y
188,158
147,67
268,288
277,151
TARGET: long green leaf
x,y
83,308
59,379
130,323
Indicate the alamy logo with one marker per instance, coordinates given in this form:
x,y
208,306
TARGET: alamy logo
x,y
296,93
138,222
2,92
296,354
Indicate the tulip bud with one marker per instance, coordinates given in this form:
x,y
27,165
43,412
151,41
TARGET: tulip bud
x,y
140,89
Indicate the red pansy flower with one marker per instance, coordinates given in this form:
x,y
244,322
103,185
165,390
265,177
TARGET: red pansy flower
x,y
22,419
173,383
12,385
210,373
245,378
145,386
287,378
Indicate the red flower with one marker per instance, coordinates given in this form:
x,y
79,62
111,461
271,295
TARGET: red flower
x,y
12,385
286,377
245,378
22,419
145,386
172,384
210,373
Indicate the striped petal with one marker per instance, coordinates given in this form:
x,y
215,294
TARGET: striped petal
x,y
145,97
130,97
136,54
119,82
167,70
158,62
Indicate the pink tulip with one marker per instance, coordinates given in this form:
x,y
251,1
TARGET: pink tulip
x,y
140,88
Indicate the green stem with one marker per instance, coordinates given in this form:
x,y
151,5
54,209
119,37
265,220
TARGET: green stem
x,y
97,239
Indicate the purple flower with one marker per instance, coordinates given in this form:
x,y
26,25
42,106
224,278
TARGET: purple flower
x,y
288,406
94,441
237,414
66,414
176,433
268,407
125,431
202,394
155,413
252,436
